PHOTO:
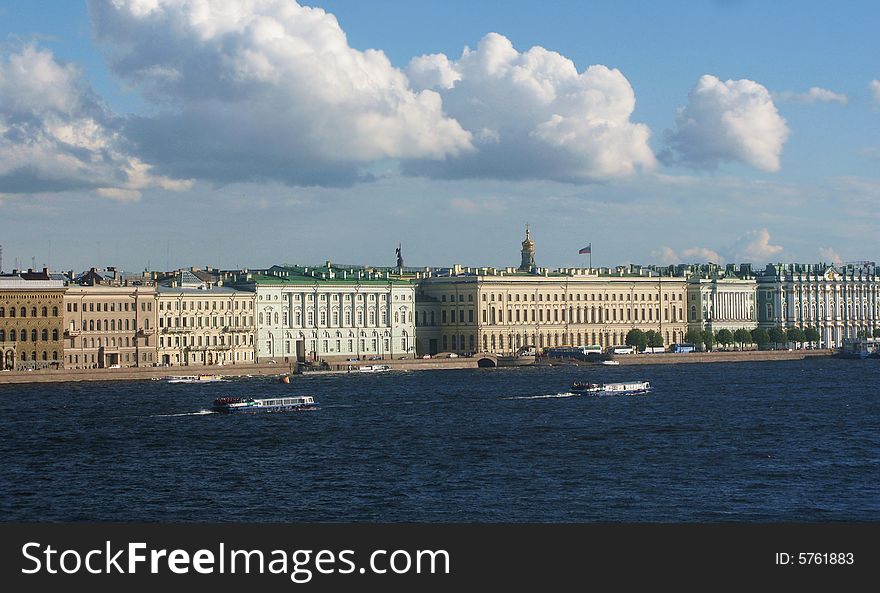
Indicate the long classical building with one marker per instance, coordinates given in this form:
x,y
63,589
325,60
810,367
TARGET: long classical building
x,y
501,311
331,314
200,323
31,321
840,301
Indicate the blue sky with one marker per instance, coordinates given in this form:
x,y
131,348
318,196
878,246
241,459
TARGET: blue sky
x,y
250,133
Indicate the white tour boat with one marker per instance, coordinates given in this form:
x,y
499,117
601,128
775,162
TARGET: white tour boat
x,y
630,388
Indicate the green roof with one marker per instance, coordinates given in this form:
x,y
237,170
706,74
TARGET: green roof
x,y
308,279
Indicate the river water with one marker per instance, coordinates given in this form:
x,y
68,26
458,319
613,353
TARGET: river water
x,y
754,442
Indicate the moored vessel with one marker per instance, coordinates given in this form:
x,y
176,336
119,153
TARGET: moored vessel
x,y
249,405
195,379
374,368
628,388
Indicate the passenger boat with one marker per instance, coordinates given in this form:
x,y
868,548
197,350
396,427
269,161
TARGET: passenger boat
x,y
610,363
194,379
374,368
249,405
633,388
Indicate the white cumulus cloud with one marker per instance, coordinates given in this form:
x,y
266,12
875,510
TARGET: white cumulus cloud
x,y
827,254
755,247
534,115
701,254
734,120
667,255
813,95
56,135
266,89
874,85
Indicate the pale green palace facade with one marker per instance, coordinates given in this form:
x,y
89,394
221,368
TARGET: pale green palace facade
x,y
331,314
840,301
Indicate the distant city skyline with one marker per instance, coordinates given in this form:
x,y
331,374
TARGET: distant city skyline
x,y
235,134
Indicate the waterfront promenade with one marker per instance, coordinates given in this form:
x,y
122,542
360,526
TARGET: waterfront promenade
x,y
147,373
722,356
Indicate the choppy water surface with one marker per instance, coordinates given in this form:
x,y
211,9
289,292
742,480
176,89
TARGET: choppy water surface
x,y
782,441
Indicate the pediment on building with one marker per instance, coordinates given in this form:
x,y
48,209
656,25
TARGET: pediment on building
x,y
831,273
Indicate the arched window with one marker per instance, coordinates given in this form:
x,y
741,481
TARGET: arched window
x,y
23,312
276,318
106,325
24,356
2,335
45,311
54,355
33,311
22,335
146,324
44,335
54,314
45,355
113,324
12,335
33,335
2,312
91,325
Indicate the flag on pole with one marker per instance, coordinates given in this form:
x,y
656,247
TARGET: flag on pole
x,y
587,249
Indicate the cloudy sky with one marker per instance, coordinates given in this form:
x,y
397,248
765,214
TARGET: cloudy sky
x,y
232,133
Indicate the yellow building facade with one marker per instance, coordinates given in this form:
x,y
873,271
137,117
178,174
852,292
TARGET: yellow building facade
x,y
31,323
501,312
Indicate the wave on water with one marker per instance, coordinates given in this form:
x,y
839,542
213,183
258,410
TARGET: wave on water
x,y
548,396
199,413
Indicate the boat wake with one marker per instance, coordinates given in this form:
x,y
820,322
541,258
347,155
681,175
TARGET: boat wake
x,y
199,413
548,396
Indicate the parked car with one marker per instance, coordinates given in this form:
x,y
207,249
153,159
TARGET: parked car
x,y
426,356
115,366
453,355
